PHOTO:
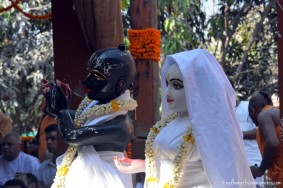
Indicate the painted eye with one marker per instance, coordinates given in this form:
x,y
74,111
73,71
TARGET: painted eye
x,y
178,85
98,77
166,83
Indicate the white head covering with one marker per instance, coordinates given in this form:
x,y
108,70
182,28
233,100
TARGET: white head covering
x,y
211,100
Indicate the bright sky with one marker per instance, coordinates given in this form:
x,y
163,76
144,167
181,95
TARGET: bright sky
x,y
210,7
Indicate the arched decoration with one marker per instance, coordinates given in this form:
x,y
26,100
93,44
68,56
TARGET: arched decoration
x,y
31,16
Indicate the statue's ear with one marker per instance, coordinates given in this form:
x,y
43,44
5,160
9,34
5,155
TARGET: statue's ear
x,y
121,86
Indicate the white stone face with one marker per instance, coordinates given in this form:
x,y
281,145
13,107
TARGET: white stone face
x,y
174,92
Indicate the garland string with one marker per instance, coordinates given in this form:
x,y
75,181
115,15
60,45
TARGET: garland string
x,y
31,16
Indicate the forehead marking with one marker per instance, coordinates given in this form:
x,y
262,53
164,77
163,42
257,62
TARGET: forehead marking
x,y
105,66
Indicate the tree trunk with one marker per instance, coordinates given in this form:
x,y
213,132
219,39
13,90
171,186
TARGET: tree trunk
x,y
143,14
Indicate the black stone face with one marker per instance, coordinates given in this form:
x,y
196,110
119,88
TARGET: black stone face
x,y
107,67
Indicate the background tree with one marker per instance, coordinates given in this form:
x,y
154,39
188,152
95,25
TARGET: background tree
x,y
26,57
242,34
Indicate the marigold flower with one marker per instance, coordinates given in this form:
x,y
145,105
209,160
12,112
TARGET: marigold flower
x,y
189,138
63,170
145,44
115,105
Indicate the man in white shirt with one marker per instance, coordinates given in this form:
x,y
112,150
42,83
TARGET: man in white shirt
x,y
13,160
249,133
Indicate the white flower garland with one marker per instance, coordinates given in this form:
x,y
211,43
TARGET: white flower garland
x,y
115,105
80,119
183,150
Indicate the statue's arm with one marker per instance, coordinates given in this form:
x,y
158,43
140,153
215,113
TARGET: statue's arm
x,y
114,130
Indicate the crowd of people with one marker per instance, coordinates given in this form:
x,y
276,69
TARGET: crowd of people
x,y
205,138
16,165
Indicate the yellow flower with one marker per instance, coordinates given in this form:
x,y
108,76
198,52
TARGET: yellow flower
x,y
151,180
115,105
63,170
155,130
167,185
189,138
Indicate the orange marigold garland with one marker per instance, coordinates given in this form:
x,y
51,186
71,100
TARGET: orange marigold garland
x,y
145,44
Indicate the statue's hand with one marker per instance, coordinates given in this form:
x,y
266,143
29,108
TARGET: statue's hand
x,y
56,97
127,165
66,123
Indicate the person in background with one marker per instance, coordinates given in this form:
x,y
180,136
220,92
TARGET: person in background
x,y
29,179
267,118
249,135
5,126
198,142
14,183
13,160
47,170
45,121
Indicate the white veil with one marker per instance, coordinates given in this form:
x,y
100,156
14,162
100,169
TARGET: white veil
x,y
211,101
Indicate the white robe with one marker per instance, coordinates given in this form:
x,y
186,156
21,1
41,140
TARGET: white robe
x,y
165,147
92,169
211,100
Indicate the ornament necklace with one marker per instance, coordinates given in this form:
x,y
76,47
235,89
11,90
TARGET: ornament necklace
x,y
81,118
150,158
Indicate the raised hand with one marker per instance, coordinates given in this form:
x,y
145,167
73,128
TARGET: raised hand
x,y
56,97
127,165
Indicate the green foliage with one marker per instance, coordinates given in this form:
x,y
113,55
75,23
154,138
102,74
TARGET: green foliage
x,y
240,31
26,57
181,23
241,34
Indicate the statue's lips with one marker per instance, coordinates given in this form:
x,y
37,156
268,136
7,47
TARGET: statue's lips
x,y
170,100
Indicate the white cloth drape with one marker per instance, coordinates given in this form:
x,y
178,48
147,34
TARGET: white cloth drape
x,y
211,101
92,169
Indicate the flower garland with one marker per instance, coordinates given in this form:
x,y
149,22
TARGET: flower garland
x,y
184,148
145,44
62,170
81,118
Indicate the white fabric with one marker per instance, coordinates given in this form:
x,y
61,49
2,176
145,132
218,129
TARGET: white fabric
x,y
246,124
165,147
97,169
251,146
211,101
23,163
